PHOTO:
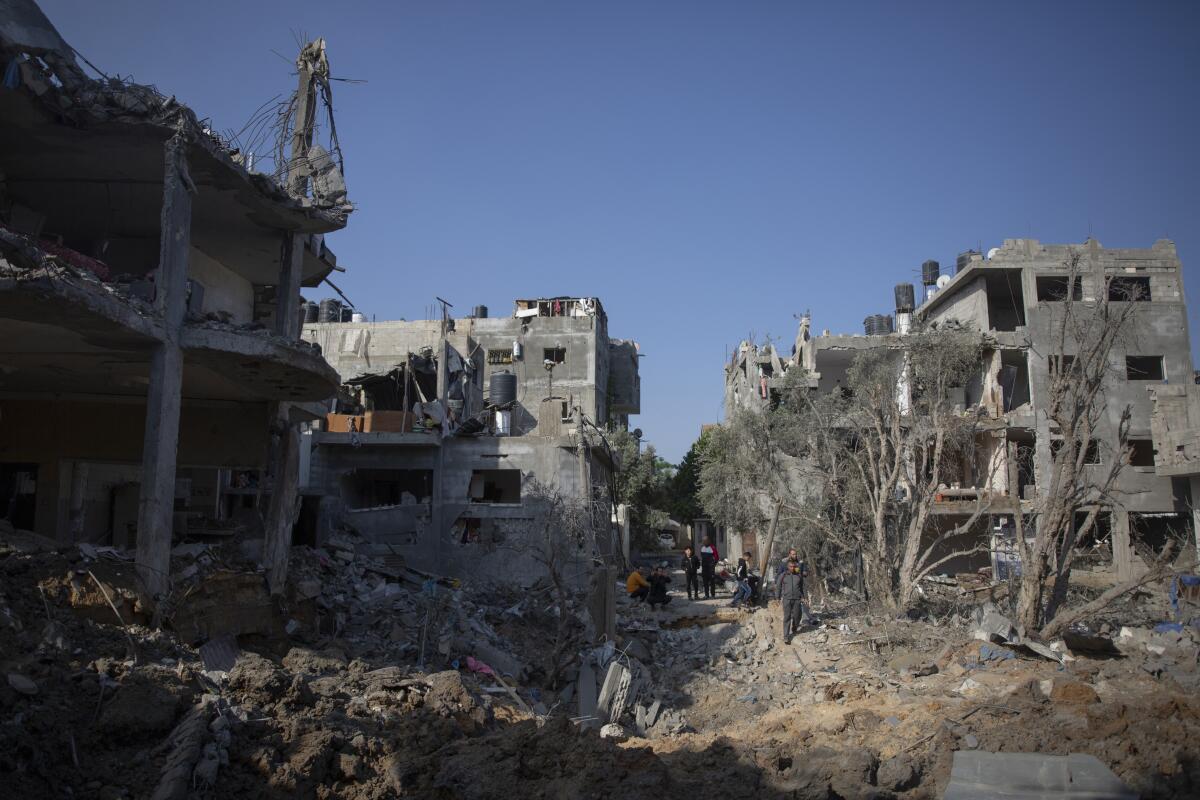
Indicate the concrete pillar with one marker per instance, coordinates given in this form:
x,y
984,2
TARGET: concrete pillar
x,y
1195,487
78,504
1122,551
160,443
284,467
287,289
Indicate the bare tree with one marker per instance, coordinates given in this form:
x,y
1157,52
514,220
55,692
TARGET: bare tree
x,y
862,466
563,535
1084,335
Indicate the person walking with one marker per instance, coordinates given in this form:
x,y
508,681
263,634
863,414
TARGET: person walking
x,y
691,571
708,567
791,596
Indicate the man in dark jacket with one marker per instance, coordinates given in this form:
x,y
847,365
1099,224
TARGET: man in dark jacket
x,y
658,588
709,556
791,596
691,571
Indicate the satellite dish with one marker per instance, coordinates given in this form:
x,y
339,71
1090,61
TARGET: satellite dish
x,y
942,281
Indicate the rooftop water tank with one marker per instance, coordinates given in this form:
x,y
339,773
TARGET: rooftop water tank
x,y
502,388
929,272
330,310
312,312
480,312
905,297
964,259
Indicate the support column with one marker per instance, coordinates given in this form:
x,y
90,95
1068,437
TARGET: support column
x,y
160,444
79,473
285,501
287,289
1195,487
1122,552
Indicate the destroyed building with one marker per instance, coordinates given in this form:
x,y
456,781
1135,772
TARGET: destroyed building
x,y
1009,296
441,427
152,372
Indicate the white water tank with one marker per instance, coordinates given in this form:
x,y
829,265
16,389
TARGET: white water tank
x,y
517,350
357,317
504,423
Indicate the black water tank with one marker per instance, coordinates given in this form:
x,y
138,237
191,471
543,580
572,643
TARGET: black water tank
x,y
905,297
887,324
503,388
869,325
330,310
963,260
930,271
480,312
312,312
347,313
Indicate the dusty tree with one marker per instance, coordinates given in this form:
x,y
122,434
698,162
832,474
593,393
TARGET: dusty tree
x,y
861,466
565,537
1072,491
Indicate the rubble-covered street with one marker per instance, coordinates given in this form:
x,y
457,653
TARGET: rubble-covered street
x,y
368,683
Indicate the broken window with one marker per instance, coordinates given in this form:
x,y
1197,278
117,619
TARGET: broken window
x,y
373,488
1014,378
1093,545
554,355
1090,458
495,486
500,356
1144,368
1149,534
1141,453
1060,365
1057,288
1128,287
1005,299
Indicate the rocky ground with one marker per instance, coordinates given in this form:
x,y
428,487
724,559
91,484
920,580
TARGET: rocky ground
x,y
370,683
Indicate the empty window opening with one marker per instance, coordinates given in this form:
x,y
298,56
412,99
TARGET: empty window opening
x,y
1141,453
1014,378
495,486
1150,533
1144,368
1026,455
1061,365
1090,458
554,355
373,488
501,356
1005,299
1093,544
1054,288
1128,288
18,494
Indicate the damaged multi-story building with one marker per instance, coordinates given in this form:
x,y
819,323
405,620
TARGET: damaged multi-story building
x,y
1009,296
443,427
152,376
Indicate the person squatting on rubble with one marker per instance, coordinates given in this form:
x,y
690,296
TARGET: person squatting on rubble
x,y
637,585
742,593
791,597
708,567
658,588
691,571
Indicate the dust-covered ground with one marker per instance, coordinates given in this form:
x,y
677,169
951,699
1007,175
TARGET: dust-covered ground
x,y
358,685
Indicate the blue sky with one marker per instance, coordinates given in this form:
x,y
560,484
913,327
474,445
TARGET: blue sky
x,y
707,169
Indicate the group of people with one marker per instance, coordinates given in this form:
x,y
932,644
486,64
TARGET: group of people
x,y
651,589
701,570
